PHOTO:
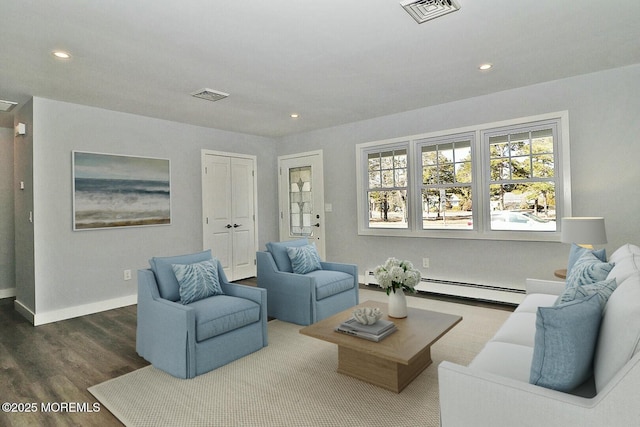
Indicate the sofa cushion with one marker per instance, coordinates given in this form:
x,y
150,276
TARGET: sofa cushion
x,y
577,251
198,280
505,359
604,289
279,252
222,313
620,331
623,251
304,259
588,269
624,267
168,285
531,303
565,343
330,282
520,328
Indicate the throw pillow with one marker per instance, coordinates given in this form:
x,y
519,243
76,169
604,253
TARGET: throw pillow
x,y
565,342
279,252
197,281
604,289
168,285
577,251
588,269
304,259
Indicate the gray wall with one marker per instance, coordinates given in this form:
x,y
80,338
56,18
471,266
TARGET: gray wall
x,y
23,204
84,267
604,127
58,268
7,270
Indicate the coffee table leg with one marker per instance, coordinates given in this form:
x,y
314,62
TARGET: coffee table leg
x,y
381,372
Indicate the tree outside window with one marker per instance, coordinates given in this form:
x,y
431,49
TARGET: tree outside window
x,y
387,193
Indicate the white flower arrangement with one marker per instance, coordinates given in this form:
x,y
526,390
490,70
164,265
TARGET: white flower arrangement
x,y
396,274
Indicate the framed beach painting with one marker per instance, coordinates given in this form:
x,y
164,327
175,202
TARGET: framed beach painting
x,y
111,190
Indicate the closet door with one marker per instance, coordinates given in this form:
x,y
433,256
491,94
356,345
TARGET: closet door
x,y
228,201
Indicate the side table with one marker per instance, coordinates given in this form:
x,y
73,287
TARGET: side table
x,y
562,273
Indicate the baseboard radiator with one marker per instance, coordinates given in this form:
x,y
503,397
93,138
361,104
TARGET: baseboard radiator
x,y
369,279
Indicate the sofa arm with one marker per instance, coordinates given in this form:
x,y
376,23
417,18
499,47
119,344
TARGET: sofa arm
x,y
537,286
471,397
165,334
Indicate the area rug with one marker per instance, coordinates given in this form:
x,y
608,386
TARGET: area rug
x,y
293,382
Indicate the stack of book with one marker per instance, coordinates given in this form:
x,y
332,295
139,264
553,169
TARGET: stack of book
x,y
376,332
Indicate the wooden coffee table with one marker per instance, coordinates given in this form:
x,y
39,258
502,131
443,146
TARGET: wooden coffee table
x,y
396,360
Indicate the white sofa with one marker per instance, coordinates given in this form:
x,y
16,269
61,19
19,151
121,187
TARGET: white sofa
x,y
494,390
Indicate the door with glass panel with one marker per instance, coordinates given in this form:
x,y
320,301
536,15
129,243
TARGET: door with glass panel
x,y
301,197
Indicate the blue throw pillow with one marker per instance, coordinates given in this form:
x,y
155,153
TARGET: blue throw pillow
x,y
577,251
168,285
588,269
198,280
304,259
565,343
279,252
604,289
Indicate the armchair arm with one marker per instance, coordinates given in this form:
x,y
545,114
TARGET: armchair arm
x,y
537,286
351,269
166,330
270,278
257,295
291,296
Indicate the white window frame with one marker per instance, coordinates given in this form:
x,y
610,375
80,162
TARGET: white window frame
x,y
480,182
419,143
401,144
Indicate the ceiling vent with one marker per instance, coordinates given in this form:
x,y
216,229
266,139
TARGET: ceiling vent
x,y
209,94
425,10
6,106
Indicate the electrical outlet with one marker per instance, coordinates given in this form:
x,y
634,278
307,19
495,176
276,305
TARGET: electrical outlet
x,y
425,262
127,275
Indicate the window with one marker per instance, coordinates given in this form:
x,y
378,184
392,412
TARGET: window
x,y
387,188
447,179
522,178
507,180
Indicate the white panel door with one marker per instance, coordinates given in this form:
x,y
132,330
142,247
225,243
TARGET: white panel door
x,y
301,198
228,202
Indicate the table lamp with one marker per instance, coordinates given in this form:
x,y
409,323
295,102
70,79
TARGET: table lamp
x,y
584,231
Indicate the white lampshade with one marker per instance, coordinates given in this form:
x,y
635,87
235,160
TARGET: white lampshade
x,y
583,230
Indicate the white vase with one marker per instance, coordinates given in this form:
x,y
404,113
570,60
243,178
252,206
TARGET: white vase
x,y
397,304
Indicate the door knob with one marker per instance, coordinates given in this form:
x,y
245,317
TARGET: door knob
x,y
317,224
228,226
237,225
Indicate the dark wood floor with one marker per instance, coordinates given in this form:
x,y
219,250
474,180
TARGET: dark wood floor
x,y
57,362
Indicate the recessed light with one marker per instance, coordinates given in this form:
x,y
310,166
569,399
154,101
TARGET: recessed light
x,y
294,116
485,67
60,54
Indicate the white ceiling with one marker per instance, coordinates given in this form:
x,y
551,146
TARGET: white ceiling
x,y
331,61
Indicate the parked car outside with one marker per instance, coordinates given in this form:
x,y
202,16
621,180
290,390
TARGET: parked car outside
x,y
511,220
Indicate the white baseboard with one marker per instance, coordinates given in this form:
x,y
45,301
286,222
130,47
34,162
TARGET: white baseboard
x,y
7,293
69,313
24,311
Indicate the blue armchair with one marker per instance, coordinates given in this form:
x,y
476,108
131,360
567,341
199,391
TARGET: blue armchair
x,y
305,298
186,340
